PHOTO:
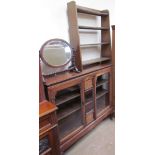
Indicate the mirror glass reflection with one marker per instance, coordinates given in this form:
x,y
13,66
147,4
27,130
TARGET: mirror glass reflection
x,y
57,53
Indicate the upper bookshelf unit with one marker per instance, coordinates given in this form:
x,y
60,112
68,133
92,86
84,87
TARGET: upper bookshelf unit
x,y
93,50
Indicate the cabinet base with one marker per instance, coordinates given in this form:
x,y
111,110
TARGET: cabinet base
x,y
85,130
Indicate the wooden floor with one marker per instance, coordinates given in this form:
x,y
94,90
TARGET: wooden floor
x,y
100,141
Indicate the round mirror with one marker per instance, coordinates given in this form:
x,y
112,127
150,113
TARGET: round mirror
x,y
56,53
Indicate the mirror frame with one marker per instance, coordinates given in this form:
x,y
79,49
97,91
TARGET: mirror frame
x,y
55,40
72,59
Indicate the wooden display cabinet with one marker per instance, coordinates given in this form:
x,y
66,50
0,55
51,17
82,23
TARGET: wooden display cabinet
x,y
83,101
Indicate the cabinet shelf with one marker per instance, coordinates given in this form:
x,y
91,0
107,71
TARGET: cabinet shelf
x,y
101,92
94,28
86,10
68,110
101,82
88,62
96,44
66,97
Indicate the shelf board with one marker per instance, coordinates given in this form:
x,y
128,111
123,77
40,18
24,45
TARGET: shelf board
x,y
101,82
66,97
86,10
96,44
88,62
94,28
101,92
68,110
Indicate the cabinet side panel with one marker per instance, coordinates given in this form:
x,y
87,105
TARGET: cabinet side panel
x,y
105,36
73,33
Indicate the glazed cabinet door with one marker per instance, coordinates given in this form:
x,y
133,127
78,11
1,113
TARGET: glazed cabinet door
x,y
103,92
70,113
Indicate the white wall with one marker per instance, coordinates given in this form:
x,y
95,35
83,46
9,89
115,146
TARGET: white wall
x,y
53,16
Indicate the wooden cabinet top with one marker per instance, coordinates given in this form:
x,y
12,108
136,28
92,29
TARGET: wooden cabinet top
x,y
51,80
46,108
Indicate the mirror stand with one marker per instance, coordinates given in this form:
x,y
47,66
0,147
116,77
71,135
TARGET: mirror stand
x,y
57,56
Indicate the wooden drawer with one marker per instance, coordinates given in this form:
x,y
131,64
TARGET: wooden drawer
x,y
48,120
88,84
89,116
